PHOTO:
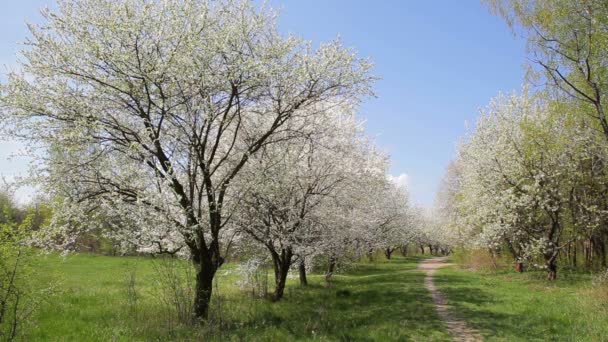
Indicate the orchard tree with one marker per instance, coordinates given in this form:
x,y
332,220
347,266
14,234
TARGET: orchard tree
x,y
393,222
525,179
345,218
151,109
447,210
432,230
286,185
568,40
512,180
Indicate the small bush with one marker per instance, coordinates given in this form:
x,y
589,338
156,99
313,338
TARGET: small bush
x,y
19,296
176,287
254,277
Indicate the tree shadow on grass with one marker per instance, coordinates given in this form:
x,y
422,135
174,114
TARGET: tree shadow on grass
x,y
373,302
479,309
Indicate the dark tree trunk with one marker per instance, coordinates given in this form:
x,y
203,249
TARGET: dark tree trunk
x,y
280,281
331,267
552,254
574,261
204,286
422,249
302,269
205,256
388,252
551,263
599,250
403,250
281,263
588,253
519,266
552,271
603,251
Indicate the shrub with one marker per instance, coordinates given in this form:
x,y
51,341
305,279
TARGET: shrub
x,y
176,287
19,297
254,277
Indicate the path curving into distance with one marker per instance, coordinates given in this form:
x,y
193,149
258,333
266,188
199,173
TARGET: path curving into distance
x,y
458,329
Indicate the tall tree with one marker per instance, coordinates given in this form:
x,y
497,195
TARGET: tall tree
x,y
284,193
568,40
525,180
151,110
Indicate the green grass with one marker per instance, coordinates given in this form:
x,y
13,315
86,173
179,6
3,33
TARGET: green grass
x,y
525,307
383,301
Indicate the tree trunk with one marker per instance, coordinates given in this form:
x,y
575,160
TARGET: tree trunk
x,y
519,266
588,253
280,280
599,250
552,271
204,286
331,267
207,259
302,269
552,254
574,262
403,250
422,249
551,264
388,252
281,264
370,255
604,259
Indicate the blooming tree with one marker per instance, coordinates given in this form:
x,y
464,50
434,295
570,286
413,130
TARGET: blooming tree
x,y
150,110
567,40
393,220
288,181
524,180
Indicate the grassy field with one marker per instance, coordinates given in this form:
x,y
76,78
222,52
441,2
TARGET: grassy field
x,y
384,301
98,298
506,306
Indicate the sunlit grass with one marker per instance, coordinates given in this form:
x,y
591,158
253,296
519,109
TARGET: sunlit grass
x,y
507,306
384,301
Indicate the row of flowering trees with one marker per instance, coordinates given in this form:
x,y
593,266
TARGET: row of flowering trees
x,y
531,178
193,127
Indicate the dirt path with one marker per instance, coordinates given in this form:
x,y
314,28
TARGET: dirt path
x,y
458,329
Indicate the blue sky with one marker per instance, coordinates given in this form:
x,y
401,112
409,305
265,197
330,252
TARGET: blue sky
x,y
440,61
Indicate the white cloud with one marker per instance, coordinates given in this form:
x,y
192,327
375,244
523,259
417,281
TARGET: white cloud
x,y
402,180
